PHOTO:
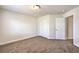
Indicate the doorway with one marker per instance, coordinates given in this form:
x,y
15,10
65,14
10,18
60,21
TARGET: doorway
x,y
69,27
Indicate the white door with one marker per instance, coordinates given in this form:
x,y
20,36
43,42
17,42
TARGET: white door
x,y
60,28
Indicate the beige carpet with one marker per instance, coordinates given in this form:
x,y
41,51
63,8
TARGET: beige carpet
x,y
40,45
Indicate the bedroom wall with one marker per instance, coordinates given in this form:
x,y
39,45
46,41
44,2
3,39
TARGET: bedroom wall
x,y
16,26
43,26
75,13
53,25
47,25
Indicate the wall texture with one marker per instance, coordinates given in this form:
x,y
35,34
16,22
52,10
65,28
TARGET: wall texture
x,y
75,13
53,25
43,26
16,26
47,26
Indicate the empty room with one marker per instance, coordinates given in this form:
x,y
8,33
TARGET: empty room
x,y
39,28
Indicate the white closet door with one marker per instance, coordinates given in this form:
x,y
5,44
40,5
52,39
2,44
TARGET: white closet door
x,y
60,28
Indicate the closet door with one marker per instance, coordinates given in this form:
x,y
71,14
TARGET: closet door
x,y
60,28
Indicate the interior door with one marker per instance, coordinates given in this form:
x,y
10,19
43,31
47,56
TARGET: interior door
x,y
60,28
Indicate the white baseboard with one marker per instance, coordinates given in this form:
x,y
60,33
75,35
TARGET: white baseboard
x,y
30,36
51,38
76,41
76,45
7,42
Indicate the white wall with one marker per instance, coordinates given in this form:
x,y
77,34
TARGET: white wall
x,y
53,25
47,26
75,13
43,26
16,26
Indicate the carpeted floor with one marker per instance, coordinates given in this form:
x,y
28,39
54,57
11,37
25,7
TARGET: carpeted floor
x,y
40,45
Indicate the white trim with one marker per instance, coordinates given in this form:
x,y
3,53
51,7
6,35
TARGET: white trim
x,y
75,44
51,38
76,40
7,42
3,43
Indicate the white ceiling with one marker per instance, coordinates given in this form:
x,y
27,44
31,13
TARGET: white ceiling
x,y
45,9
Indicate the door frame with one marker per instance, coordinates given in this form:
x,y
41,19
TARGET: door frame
x,y
66,30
